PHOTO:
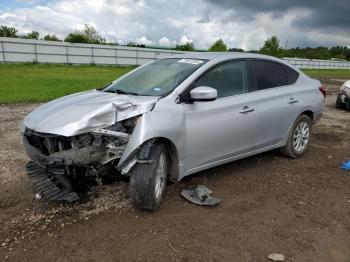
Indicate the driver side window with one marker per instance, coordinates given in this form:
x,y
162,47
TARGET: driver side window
x,y
228,79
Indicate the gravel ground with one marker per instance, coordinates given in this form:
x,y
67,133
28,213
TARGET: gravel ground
x,y
271,204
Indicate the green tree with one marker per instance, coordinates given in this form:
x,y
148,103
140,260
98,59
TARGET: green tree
x,y
218,46
272,47
321,52
338,52
93,36
76,38
89,35
131,44
32,35
235,49
8,31
51,38
189,46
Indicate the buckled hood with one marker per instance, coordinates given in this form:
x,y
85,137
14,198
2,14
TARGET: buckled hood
x,y
82,112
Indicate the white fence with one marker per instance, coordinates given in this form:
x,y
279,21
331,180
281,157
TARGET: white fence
x,y
317,63
16,50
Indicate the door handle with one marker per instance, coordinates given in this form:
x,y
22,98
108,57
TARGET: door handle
x,y
246,109
292,100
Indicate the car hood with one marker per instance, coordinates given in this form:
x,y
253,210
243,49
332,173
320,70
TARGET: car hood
x,y
82,112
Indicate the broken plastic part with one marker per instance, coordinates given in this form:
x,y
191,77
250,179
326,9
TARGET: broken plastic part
x,y
346,165
111,133
201,195
126,168
38,196
140,156
47,186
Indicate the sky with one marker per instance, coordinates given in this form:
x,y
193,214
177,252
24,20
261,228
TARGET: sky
x,y
240,23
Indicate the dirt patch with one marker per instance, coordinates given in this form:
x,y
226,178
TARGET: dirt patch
x,y
271,204
328,138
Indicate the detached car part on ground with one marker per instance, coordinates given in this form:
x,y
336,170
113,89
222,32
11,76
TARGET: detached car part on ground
x,y
167,120
343,98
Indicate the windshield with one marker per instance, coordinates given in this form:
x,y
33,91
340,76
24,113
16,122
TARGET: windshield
x,y
156,79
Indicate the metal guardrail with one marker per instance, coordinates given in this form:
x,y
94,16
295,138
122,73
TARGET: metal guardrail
x,y
17,50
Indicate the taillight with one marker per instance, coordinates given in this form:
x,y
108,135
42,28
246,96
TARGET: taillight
x,y
323,90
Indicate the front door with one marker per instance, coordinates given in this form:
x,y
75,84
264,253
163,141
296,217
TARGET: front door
x,y
219,130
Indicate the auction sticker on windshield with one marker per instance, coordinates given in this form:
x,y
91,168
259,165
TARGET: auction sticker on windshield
x,y
191,61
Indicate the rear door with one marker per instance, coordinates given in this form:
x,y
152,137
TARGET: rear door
x,y
277,104
219,130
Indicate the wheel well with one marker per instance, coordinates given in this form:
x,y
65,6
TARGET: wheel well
x,y
308,113
143,153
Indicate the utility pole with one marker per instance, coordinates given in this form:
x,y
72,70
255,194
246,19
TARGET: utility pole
x,y
286,45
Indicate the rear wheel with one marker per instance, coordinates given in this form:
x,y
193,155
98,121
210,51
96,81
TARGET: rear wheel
x,y
299,138
148,180
338,103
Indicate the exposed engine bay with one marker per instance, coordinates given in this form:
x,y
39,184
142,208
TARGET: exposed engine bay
x,y
81,140
63,168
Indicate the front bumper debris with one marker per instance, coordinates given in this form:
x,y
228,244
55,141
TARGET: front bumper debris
x,y
51,183
65,168
201,195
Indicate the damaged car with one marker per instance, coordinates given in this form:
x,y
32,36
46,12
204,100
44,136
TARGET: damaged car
x,y
169,119
343,98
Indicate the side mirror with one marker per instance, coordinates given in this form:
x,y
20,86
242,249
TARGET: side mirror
x,y
203,93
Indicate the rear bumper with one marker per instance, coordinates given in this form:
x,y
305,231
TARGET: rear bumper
x,y
317,117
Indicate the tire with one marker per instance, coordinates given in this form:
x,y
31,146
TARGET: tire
x,y
299,138
338,103
347,106
148,180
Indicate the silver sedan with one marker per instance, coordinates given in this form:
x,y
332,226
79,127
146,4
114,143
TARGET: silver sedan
x,y
169,119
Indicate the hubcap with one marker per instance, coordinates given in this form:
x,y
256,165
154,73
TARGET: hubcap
x,y
301,136
161,172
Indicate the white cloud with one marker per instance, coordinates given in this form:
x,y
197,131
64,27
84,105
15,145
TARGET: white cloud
x,y
164,41
144,41
184,39
164,22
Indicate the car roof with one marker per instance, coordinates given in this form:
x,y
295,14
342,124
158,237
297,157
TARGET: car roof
x,y
221,55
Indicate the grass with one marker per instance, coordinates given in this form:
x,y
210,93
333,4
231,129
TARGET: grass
x,y
42,82
328,73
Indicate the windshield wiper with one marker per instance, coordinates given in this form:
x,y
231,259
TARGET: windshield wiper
x,y
122,92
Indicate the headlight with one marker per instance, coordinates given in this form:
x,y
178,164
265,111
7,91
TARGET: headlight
x,y
124,128
126,125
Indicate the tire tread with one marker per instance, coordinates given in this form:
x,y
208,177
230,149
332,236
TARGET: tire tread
x,y
288,150
142,180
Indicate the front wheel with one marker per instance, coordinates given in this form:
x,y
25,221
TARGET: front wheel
x,y
299,138
148,180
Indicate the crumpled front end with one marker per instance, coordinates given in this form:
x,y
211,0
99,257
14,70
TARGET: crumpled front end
x,y
77,141
63,168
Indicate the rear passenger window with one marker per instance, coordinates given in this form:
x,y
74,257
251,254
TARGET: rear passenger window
x,y
228,79
292,75
269,74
